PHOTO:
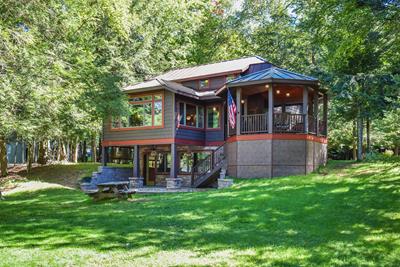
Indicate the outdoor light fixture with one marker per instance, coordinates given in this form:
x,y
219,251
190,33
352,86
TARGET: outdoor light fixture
x,y
242,101
287,94
278,92
188,118
267,86
214,109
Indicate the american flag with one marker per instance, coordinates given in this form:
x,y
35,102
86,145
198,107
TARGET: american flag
x,y
231,110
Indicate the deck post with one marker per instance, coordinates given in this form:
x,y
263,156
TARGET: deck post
x,y
316,111
104,156
136,161
325,114
305,108
270,109
174,155
238,108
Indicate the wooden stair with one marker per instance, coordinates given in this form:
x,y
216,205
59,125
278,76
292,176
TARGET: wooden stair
x,y
206,171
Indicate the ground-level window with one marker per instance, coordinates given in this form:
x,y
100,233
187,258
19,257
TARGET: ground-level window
x,y
191,115
145,111
213,116
164,162
189,159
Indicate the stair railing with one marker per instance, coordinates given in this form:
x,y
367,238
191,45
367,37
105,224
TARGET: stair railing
x,y
207,164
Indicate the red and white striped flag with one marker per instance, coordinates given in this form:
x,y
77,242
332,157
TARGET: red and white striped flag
x,y
232,111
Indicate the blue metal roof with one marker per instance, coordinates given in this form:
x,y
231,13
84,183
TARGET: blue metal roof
x,y
270,74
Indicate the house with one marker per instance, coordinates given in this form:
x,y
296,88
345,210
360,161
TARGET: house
x,y
179,134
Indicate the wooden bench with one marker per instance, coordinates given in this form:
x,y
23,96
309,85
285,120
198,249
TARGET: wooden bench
x,y
110,190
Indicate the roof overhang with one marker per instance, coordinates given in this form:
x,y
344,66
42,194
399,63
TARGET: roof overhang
x,y
314,84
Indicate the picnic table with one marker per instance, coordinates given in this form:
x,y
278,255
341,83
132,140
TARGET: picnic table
x,y
116,189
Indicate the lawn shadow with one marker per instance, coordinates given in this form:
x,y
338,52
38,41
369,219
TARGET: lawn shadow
x,y
353,217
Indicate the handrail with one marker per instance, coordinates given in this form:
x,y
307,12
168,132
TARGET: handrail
x,y
254,123
207,164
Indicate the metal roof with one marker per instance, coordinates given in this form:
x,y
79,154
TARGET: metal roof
x,y
196,72
270,75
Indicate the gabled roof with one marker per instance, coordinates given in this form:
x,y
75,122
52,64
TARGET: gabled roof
x,y
272,74
197,72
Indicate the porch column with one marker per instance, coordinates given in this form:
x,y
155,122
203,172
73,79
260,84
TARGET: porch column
x,y
136,161
104,155
305,108
325,114
174,155
270,109
316,111
238,107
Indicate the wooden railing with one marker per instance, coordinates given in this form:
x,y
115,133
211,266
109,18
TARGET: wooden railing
x,y
286,122
206,165
255,123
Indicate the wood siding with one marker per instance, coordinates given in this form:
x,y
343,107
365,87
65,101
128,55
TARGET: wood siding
x,y
139,134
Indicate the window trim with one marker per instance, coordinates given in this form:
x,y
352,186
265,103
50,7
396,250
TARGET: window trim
x,y
219,106
184,126
152,101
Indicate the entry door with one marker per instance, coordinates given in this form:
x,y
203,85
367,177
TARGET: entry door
x,y
150,169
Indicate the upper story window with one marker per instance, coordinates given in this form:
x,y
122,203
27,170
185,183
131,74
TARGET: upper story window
x,y
145,111
230,77
204,84
191,115
213,116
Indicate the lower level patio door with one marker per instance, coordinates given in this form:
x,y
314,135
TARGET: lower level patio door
x,y
150,169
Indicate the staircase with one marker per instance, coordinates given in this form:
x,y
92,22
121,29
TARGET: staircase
x,y
205,172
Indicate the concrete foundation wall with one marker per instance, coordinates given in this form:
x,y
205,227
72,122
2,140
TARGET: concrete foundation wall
x,y
274,158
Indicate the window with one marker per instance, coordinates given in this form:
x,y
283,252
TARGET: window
x,y
188,159
163,162
191,115
204,84
230,77
213,117
145,111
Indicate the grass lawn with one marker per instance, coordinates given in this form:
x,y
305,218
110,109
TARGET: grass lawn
x,y
348,216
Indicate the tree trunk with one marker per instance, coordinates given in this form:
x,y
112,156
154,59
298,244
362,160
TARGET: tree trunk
x,y
84,153
30,157
368,135
94,150
42,158
75,149
354,141
360,138
396,150
3,157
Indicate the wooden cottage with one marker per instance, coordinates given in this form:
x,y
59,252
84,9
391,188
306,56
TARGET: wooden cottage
x,y
179,133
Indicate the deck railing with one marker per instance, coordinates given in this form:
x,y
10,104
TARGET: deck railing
x,y
255,123
286,122
282,123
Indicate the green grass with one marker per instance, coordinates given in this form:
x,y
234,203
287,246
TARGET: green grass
x,y
347,216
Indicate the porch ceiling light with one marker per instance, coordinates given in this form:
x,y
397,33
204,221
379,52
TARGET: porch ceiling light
x,y
278,92
214,108
287,94
242,101
267,86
